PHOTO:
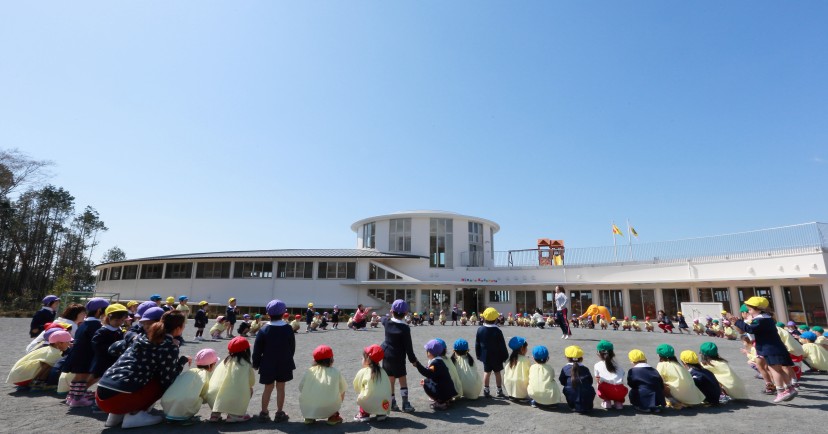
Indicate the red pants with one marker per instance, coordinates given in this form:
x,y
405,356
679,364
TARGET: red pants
x,y
612,392
666,327
123,403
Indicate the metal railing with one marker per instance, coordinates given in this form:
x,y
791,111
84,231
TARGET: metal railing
x,y
472,259
781,241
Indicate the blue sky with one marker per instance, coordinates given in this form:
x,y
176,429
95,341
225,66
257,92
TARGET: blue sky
x,y
202,125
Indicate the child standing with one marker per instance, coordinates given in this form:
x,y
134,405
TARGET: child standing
x,y
309,317
731,384
201,320
490,348
470,378
115,317
577,381
372,386
33,368
79,360
335,317
397,346
230,316
516,372
231,385
542,388
646,385
322,389
704,380
273,357
183,399
682,322
437,384
610,377
681,389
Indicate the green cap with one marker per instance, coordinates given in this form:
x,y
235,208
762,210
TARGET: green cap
x,y
817,329
257,316
744,308
709,349
803,327
635,317
605,345
665,350
780,324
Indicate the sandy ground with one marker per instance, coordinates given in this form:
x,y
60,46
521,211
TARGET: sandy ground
x,y
38,412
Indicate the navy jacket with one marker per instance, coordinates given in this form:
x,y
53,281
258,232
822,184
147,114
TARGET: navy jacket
x,y
40,318
707,383
438,384
646,387
79,361
273,350
490,347
230,314
101,342
201,319
397,342
763,328
579,398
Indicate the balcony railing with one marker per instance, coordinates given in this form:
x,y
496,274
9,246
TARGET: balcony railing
x,y
781,241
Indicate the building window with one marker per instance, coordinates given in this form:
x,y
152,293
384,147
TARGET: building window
x,y
389,295
579,301
434,300
253,270
642,303
499,296
103,274
673,297
525,302
491,240
337,270
213,270
475,244
294,270
369,240
379,273
755,291
715,295
115,273
805,305
440,243
613,300
179,270
130,272
399,235
151,271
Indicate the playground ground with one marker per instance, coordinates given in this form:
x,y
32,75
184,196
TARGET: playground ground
x,y
44,413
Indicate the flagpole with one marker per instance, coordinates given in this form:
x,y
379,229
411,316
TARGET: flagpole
x,y
629,237
614,242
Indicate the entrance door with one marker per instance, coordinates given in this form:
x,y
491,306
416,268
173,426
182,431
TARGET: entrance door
x,y
471,300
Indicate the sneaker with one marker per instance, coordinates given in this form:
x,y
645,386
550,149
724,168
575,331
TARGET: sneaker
x,y
394,406
264,416
280,416
82,402
233,418
407,407
381,417
606,405
310,421
142,418
362,417
486,393
792,393
533,404
439,406
643,410
114,420
781,396
566,337
335,419
500,394
619,405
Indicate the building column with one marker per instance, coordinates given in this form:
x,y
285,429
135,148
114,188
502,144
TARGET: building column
x,y
659,299
694,294
625,297
779,306
734,300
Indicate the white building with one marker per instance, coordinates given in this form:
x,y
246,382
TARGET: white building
x,y
435,259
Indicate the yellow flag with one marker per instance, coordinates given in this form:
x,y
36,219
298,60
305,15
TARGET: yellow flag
x,y
616,231
633,232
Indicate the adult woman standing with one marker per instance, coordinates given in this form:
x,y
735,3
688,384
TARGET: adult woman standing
x,y
561,304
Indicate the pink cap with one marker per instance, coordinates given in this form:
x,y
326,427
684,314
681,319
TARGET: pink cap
x,y
60,336
206,357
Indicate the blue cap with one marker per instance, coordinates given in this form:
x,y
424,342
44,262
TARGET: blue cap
x,y
152,314
183,297
434,347
276,308
399,306
442,342
96,303
811,336
461,345
49,299
155,297
516,342
144,306
540,353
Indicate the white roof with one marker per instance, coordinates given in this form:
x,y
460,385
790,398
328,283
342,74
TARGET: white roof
x,y
422,214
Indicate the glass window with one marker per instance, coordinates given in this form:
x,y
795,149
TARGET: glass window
x,y
389,295
368,235
103,273
151,271
179,270
399,235
253,270
613,300
115,273
548,301
475,244
805,304
642,303
337,270
294,270
579,301
715,295
673,297
499,296
491,240
441,243
213,270
130,272
435,300
525,302
379,273
756,291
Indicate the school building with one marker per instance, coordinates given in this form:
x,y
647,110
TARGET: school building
x,y
434,259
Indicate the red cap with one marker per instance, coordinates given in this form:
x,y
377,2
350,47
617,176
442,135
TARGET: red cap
x,y
286,315
322,352
238,344
298,316
375,353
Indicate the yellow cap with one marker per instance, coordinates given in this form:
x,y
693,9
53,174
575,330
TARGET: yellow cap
x,y
612,319
490,314
637,356
115,307
573,352
132,303
760,302
310,304
170,300
679,313
689,356
202,303
724,312
232,299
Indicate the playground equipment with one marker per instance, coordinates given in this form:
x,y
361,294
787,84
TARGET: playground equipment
x,y
550,252
594,310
